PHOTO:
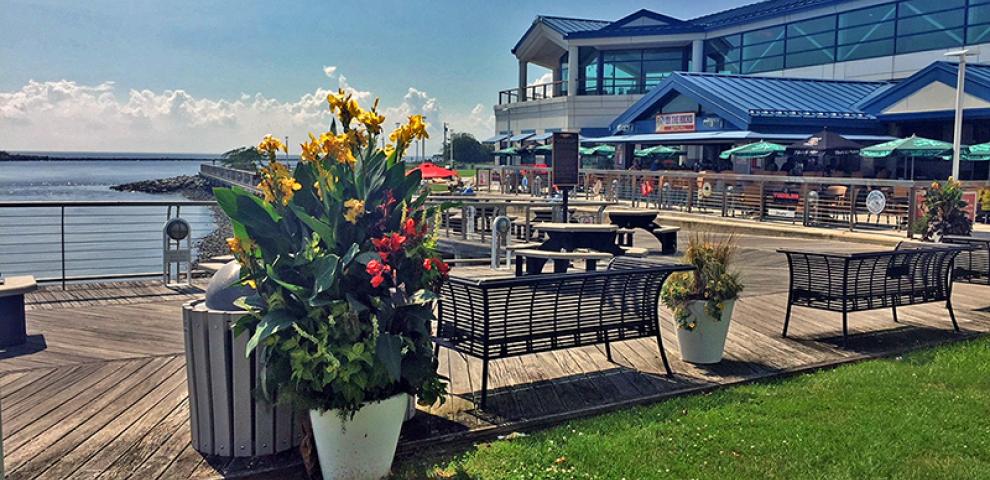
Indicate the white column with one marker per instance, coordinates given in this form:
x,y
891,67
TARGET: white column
x,y
698,55
572,71
523,80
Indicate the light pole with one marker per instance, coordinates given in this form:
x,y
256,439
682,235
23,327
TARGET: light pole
x,y
960,91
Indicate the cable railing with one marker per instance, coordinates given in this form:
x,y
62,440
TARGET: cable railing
x,y
67,241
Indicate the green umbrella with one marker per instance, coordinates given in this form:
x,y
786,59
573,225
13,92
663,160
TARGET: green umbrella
x,y
506,151
543,150
659,150
758,149
586,151
604,150
913,146
978,153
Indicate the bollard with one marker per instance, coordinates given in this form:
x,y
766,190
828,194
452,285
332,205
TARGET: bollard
x,y
500,231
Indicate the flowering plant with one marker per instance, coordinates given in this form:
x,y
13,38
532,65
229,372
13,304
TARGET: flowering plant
x,y
944,211
340,253
712,281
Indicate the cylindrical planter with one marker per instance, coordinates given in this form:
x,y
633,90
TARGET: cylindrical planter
x,y
361,447
706,342
225,416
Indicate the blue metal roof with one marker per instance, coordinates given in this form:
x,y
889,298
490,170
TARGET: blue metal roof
x,y
741,98
977,84
759,11
585,28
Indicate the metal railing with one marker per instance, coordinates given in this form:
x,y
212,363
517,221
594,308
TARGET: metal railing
x,y
809,201
538,91
65,241
226,175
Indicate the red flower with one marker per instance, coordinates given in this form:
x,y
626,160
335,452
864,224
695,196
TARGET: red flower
x,y
409,227
441,266
428,264
377,270
377,280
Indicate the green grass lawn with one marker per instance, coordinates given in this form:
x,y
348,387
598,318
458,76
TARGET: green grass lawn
x,y
925,415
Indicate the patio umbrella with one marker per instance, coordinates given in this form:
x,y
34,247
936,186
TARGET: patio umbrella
x,y
431,170
604,150
659,150
508,151
978,153
758,149
825,142
543,150
587,151
912,147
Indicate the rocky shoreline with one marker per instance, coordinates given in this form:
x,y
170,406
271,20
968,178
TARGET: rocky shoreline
x,y
193,187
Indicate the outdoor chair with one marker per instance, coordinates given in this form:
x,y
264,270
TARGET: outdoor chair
x,y
503,317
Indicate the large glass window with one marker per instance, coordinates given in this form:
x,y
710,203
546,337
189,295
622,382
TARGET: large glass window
x,y
928,24
866,33
564,69
588,71
763,50
811,42
722,54
626,72
978,29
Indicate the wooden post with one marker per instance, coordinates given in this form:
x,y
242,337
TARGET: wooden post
x,y
853,193
763,200
692,183
912,210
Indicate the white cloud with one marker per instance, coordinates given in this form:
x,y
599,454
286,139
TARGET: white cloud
x,y
545,78
66,115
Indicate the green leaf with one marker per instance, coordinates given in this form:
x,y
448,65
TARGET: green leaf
x,y
351,252
297,290
389,352
322,229
326,273
273,322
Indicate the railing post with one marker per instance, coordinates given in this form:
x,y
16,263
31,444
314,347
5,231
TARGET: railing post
x,y
804,204
62,235
853,193
692,184
912,210
725,199
763,200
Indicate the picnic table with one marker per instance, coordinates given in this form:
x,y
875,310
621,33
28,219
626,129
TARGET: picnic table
x,y
570,237
13,330
629,220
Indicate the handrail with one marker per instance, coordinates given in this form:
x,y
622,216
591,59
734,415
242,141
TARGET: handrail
x,y
537,91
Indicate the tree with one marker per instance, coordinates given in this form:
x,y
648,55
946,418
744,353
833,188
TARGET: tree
x,y
242,158
467,149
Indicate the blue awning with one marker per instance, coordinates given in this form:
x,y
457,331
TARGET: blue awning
x,y
520,137
497,138
540,137
719,137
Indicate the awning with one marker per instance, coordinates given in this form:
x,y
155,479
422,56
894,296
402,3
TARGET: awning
x,y
541,137
719,137
520,137
497,138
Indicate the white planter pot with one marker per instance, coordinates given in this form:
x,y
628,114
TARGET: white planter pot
x,y
362,447
706,343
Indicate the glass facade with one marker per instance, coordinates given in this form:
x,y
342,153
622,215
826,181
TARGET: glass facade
x,y
627,72
897,27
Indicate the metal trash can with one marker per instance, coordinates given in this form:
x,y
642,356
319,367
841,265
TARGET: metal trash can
x,y
225,416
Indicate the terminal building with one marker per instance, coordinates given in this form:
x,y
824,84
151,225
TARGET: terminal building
x,y
774,70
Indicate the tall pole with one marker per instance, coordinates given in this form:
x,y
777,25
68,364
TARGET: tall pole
x,y
957,129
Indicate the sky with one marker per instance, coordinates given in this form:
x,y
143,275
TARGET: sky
x,y
207,76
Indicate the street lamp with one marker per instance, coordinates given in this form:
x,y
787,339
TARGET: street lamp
x,y
960,89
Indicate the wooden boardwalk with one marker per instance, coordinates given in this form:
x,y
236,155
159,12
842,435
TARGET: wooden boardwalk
x,y
100,392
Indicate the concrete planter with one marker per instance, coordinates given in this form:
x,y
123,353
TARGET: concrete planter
x,y
225,416
706,343
361,447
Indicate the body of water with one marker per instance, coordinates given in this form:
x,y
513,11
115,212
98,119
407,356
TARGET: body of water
x,y
97,240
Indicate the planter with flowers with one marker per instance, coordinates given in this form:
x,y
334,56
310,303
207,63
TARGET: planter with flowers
x,y
344,266
702,300
945,211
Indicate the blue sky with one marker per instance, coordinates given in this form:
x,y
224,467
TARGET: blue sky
x,y
152,65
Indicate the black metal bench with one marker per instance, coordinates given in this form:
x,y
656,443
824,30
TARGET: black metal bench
x,y
503,317
854,282
972,266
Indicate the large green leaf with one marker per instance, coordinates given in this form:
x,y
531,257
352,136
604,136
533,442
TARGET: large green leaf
x,y
389,352
273,322
322,229
326,273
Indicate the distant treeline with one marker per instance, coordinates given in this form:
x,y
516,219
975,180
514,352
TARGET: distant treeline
x,y
21,157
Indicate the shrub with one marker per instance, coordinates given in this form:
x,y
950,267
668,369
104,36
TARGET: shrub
x,y
944,214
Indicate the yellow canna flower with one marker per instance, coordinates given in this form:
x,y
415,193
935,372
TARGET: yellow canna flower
x,y
235,245
355,208
310,150
337,100
338,147
372,120
271,145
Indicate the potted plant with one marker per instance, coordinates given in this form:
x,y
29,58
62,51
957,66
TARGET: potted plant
x,y
344,267
945,212
702,299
